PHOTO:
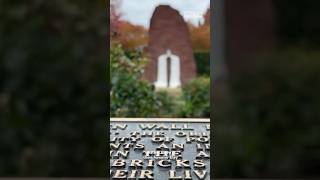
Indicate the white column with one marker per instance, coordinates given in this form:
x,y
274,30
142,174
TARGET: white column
x,y
174,72
162,78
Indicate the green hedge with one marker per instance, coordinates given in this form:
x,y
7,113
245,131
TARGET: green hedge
x,y
133,97
196,97
129,96
203,63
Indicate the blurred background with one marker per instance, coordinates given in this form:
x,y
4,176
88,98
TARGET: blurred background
x,y
266,88
53,100
139,35
53,88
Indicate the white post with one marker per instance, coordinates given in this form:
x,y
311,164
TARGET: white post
x,y
162,79
174,72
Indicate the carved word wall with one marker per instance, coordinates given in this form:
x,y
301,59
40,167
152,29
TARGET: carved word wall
x,y
160,151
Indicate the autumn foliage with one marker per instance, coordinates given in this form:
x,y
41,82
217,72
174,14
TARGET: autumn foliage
x,y
133,37
200,35
115,15
130,36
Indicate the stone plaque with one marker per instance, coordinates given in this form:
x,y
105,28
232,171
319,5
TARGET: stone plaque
x,y
171,56
160,149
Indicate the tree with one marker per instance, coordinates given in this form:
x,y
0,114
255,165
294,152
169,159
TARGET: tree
x,y
132,36
200,35
115,15
130,95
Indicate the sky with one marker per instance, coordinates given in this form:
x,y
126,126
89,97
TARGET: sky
x,y
139,12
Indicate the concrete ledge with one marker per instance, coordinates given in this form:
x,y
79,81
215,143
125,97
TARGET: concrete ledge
x,y
159,120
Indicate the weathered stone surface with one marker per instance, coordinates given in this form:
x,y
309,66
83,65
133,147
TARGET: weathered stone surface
x,y
163,148
168,30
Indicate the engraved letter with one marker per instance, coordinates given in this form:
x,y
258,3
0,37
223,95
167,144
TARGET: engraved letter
x,y
139,147
136,163
180,134
133,175
121,153
187,174
119,126
200,174
120,174
202,154
147,126
119,163
178,147
146,174
164,163
182,163
172,175
199,164
162,127
162,147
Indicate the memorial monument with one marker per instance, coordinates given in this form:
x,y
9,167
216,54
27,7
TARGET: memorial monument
x,y
171,56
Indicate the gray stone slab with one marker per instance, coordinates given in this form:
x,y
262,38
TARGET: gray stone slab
x,y
156,135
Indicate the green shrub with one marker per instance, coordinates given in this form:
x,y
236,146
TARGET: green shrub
x,y
169,104
133,97
203,63
130,95
196,97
